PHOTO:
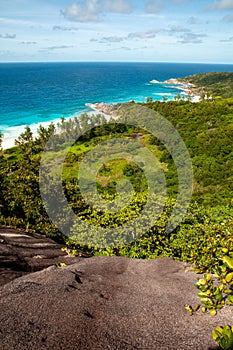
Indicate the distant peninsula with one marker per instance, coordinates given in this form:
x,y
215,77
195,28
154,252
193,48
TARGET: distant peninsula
x,y
206,85
217,84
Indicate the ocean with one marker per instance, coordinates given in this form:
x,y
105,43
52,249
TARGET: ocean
x,y
38,93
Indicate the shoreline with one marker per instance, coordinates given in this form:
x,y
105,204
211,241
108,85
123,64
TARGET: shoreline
x,y
105,109
186,88
9,142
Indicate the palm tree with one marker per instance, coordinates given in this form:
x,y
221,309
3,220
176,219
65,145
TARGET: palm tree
x,y
177,97
1,140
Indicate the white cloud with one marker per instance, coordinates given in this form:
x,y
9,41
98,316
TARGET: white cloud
x,y
8,36
221,5
83,13
111,39
192,38
91,10
149,34
65,28
52,48
28,42
178,29
154,6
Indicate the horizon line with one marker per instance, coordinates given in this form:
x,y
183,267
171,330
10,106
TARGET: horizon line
x,y
99,61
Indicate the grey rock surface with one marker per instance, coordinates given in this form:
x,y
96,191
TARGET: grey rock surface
x,y
23,252
105,303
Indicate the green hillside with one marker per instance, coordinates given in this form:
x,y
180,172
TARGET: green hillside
x,y
207,229
217,84
206,129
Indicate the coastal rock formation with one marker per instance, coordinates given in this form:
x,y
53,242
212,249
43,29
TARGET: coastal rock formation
x,y
106,303
169,81
104,108
186,87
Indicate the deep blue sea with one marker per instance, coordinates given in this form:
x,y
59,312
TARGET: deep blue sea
x,y
35,93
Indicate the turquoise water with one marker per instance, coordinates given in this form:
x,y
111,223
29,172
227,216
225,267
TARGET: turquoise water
x,y
34,93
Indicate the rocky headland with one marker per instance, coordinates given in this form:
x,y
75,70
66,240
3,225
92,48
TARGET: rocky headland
x,y
183,85
105,109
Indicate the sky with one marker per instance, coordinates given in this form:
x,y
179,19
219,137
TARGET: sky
x,y
117,30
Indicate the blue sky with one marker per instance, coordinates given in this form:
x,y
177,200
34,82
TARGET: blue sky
x,y
120,30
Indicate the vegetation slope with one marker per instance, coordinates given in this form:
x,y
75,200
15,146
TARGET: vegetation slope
x,y
206,231
216,84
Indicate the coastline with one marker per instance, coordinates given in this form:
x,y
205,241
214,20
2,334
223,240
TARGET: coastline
x,y
186,88
105,109
9,142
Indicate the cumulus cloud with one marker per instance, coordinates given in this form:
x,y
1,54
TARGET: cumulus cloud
x,y
192,38
228,18
92,10
221,5
82,13
154,6
65,28
230,40
8,36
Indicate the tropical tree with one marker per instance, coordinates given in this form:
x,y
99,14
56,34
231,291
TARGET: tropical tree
x,y
177,97
1,140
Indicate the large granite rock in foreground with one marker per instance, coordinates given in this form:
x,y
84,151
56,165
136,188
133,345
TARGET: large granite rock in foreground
x,y
106,303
